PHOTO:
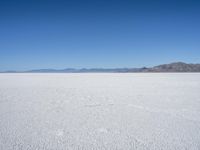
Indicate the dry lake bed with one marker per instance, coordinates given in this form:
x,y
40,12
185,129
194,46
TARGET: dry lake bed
x,y
99,111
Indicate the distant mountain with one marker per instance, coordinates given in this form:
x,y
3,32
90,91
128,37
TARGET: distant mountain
x,y
84,70
175,67
9,71
172,67
42,71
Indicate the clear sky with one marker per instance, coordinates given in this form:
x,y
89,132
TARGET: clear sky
x,y
97,33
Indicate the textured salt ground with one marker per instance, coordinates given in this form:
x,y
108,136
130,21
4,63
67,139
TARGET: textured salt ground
x,y
100,111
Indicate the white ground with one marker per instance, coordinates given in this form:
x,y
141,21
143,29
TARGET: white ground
x,y
100,111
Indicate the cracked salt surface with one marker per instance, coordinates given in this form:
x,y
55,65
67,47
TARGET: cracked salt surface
x,y
100,111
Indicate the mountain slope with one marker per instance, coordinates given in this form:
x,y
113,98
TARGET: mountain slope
x,y
172,67
175,67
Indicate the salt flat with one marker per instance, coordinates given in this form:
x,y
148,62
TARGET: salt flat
x,y
110,111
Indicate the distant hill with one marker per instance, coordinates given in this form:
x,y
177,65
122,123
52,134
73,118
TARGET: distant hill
x,y
172,67
84,70
175,67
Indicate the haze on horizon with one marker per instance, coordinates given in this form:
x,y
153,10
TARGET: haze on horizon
x,y
97,34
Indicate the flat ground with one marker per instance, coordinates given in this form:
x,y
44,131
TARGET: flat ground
x,y
100,111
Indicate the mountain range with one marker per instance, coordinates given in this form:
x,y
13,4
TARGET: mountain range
x,y
172,67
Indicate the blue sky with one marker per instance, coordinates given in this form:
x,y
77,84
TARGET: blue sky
x,y
97,33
